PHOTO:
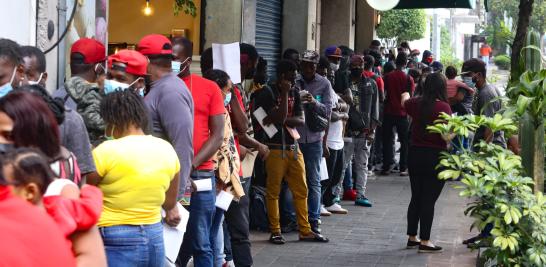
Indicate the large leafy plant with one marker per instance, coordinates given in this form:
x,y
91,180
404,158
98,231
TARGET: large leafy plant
x,y
527,95
501,195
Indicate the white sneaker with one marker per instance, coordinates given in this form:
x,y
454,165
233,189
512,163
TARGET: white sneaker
x,y
324,212
337,209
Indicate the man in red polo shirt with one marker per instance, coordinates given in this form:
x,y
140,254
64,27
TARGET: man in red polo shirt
x,y
397,83
208,135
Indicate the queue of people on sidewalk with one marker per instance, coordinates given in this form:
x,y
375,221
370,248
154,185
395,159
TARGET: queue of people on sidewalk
x,y
134,133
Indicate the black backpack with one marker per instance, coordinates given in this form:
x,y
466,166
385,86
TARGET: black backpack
x,y
258,209
356,122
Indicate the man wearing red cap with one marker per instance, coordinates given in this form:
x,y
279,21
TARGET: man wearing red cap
x,y
208,130
170,104
126,69
82,92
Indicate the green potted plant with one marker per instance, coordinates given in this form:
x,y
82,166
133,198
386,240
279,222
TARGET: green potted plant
x,y
492,178
527,97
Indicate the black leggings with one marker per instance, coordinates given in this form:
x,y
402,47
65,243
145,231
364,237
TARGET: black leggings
x,y
425,189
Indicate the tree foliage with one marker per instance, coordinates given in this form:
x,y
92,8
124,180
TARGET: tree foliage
x,y
402,25
499,36
188,6
511,7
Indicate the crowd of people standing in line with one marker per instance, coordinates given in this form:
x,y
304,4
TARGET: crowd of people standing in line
x,y
133,133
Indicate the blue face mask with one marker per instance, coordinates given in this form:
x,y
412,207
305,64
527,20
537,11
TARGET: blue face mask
x,y
113,85
227,99
175,66
468,81
6,88
406,70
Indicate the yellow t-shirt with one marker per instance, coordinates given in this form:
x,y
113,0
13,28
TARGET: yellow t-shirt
x,y
136,172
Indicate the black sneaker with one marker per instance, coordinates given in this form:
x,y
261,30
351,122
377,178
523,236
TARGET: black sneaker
x,y
315,227
413,244
427,249
277,239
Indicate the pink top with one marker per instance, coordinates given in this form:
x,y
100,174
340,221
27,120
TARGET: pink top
x,y
453,85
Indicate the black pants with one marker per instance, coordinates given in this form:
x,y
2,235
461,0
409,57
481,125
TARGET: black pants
x,y
402,127
237,220
425,189
335,169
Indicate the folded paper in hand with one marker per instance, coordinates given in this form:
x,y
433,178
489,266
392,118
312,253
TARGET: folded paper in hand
x,y
270,129
173,236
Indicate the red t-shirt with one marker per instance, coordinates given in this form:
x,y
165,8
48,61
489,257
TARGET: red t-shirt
x,y
29,236
420,138
240,101
378,80
397,83
207,101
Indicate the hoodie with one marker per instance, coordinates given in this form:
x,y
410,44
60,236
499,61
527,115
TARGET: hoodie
x,y
87,97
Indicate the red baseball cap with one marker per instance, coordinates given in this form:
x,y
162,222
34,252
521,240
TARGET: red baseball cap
x,y
155,44
92,50
136,62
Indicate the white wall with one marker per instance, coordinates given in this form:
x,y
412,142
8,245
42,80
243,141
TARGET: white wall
x,y
18,20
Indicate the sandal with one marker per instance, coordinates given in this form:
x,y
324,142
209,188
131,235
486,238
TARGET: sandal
x,y
314,237
277,239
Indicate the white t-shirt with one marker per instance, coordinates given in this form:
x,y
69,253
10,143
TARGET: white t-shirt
x,y
335,132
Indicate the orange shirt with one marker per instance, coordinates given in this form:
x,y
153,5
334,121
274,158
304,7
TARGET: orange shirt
x,y
485,50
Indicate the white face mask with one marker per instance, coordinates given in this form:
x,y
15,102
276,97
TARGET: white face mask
x,y
37,81
334,67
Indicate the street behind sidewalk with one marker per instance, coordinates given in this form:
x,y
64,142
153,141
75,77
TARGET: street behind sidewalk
x,y
376,236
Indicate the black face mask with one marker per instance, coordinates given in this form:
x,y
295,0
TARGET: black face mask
x,y
356,72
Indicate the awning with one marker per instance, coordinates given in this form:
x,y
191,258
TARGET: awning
x,y
420,4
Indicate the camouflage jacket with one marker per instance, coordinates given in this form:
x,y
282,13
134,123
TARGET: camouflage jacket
x,y
87,97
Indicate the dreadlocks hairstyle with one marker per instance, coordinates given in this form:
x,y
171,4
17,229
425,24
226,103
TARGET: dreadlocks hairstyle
x,y
29,166
122,109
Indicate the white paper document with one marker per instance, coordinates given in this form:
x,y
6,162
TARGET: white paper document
x,y
270,129
323,170
203,185
223,200
173,236
227,57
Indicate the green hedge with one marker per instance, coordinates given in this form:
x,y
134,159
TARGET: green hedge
x,y
503,62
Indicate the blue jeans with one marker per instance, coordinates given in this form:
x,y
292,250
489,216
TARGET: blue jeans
x,y
202,228
312,155
218,245
134,245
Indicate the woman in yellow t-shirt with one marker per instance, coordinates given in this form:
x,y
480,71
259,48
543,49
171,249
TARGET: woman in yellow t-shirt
x,y
138,175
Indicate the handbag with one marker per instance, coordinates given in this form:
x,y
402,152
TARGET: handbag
x,y
314,121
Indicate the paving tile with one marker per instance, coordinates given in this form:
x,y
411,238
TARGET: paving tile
x,y
376,236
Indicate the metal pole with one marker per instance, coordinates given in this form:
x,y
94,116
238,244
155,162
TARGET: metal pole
x,y
61,53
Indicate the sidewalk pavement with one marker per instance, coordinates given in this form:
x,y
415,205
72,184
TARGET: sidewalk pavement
x,y
376,236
